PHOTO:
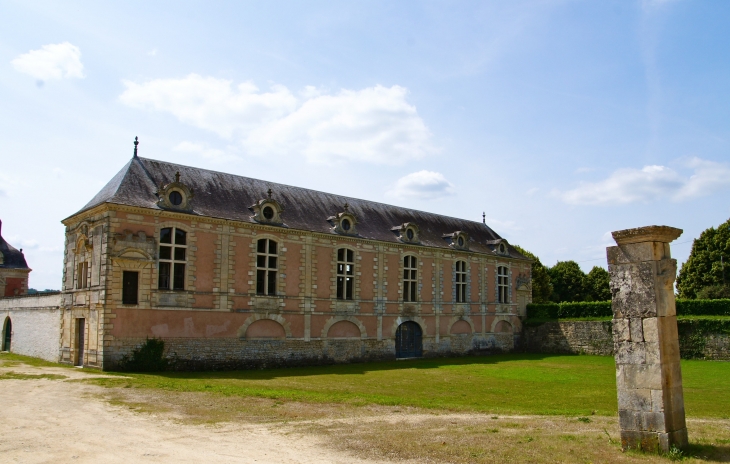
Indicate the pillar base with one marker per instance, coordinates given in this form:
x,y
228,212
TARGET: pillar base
x,y
653,441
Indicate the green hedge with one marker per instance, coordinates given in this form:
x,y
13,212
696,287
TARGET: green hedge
x,y
603,309
567,310
703,307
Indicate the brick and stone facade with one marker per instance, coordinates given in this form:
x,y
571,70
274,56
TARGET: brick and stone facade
x,y
220,319
13,270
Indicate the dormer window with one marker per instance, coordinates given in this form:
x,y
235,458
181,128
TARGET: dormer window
x,y
501,247
458,240
345,222
407,233
175,195
267,211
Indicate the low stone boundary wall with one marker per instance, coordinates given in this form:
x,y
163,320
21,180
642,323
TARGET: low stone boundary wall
x,y
594,337
36,325
589,337
234,353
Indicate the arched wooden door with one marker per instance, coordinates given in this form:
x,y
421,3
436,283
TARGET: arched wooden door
x,y
408,340
7,333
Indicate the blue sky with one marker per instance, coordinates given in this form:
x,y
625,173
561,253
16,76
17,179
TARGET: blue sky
x,y
562,120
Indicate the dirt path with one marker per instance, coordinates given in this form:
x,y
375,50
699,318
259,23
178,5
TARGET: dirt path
x,y
58,421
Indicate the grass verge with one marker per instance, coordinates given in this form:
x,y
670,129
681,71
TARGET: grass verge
x,y
504,384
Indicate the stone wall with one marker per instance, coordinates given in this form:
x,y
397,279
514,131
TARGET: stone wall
x,y
589,337
235,353
717,347
594,337
36,325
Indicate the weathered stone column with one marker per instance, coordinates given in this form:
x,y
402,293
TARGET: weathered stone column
x,y
646,345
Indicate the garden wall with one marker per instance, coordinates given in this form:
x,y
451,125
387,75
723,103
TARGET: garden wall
x,y
698,339
235,353
36,324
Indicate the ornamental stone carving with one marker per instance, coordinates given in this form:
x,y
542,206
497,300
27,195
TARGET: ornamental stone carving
x,y
267,211
175,195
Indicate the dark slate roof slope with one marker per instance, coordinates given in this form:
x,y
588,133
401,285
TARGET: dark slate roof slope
x,y
228,196
12,258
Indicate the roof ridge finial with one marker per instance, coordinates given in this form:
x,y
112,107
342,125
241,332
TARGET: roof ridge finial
x,y
177,177
136,142
484,217
269,192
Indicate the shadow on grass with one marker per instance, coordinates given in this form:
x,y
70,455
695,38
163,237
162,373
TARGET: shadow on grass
x,y
364,367
711,453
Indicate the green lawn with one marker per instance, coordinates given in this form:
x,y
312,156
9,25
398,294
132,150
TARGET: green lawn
x,y
505,384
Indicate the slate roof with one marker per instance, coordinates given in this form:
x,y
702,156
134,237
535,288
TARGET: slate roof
x,y
228,196
12,258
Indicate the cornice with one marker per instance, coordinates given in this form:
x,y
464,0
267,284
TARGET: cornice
x,y
106,207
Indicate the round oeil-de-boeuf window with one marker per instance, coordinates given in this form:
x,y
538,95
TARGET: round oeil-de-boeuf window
x,y
410,234
461,241
175,198
346,225
268,212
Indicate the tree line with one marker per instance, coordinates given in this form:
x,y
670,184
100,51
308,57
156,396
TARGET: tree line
x,y
702,276
566,282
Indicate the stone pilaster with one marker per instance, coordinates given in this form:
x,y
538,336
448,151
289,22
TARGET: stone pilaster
x,y
646,345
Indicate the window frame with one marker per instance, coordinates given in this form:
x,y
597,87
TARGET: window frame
x,y
345,277
410,279
266,275
126,292
460,280
176,267
503,284
82,274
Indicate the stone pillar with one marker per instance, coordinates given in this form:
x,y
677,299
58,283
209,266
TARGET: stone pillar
x,y
646,344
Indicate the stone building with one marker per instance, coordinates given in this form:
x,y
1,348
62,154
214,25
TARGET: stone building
x,y
236,272
13,269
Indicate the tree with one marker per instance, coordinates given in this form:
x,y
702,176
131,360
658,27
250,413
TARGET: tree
x,y
542,288
705,266
568,282
596,285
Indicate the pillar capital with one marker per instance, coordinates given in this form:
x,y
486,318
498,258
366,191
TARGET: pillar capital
x,y
663,234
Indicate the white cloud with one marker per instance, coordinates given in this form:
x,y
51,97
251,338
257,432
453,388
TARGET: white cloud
x,y
53,61
375,124
423,185
651,183
152,52
213,154
210,103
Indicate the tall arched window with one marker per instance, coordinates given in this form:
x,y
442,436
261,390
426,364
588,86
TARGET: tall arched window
x,y
173,256
410,278
345,273
266,266
461,281
502,284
